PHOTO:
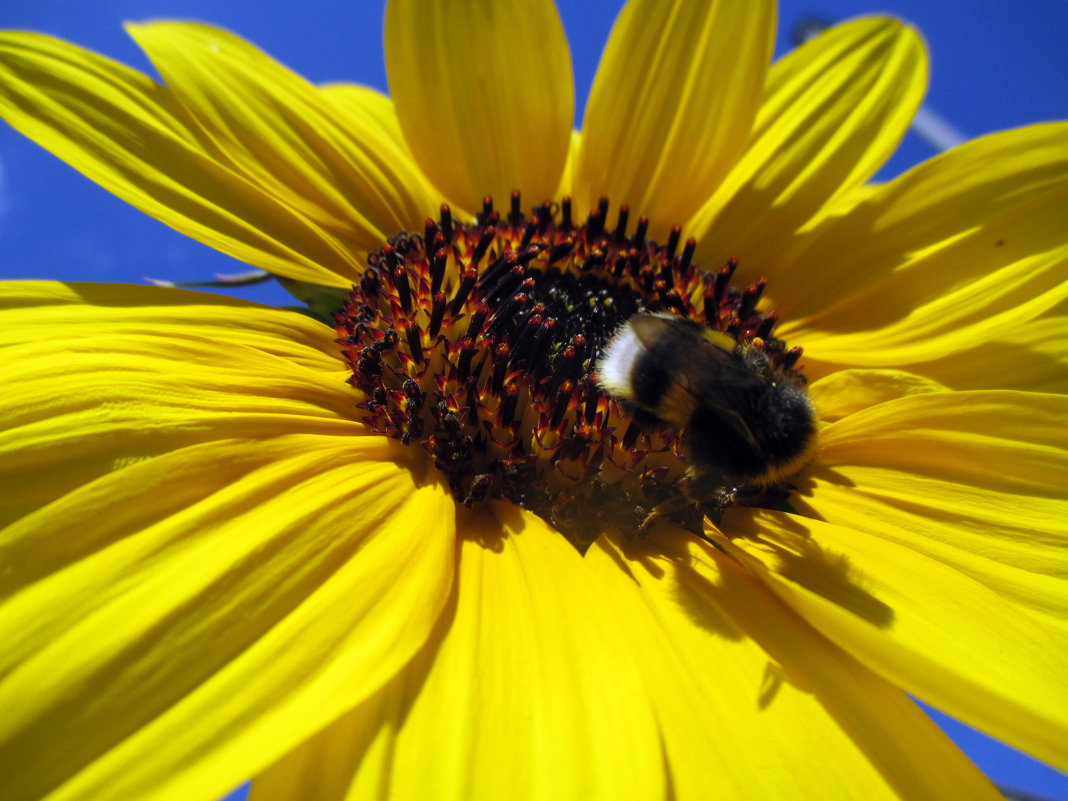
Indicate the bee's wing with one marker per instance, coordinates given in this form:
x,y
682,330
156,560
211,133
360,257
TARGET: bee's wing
x,y
707,375
699,356
720,384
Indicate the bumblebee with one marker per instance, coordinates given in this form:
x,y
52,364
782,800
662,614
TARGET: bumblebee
x,y
742,421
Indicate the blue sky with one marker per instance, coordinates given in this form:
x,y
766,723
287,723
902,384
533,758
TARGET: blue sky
x,y
995,64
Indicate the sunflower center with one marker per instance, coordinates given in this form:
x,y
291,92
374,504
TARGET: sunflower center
x,y
478,343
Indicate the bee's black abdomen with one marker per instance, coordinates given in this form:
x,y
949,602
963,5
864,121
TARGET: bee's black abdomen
x,y
787,422
768,426
723,450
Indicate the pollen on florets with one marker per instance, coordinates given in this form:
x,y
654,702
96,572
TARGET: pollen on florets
x,y
477,342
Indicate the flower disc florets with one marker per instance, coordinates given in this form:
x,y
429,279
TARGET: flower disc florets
x,y
478,343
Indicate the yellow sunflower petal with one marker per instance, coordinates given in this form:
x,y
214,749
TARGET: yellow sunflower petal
x,y
128,134
77,408
483,94
354,105
240,595
274,127
100,376
672,105
833,111
978,480
976,484
926,627
198,535
847,391
955,252
45,310
567,180
624,674
786,692
509,703
1031,357
363,102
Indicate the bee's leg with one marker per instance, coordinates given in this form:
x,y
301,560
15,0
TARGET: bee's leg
x,y
676,503
704,492
712,495
707,487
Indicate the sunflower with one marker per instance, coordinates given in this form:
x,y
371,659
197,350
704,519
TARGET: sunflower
x,y
232,548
